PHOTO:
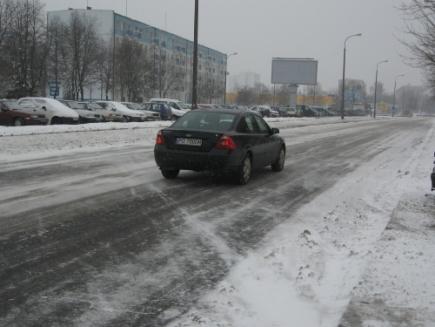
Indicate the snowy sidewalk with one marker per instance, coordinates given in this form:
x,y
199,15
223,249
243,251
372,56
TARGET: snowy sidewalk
x,y
398,287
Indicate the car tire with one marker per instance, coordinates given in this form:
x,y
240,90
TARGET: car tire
x,y
279,163
170,173
18,122
245,171
55,121
125,119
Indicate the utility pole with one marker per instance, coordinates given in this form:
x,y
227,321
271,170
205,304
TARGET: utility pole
x,y
394,96
195,60
343,86
376,86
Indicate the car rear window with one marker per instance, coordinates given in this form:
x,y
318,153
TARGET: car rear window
x,y
213,121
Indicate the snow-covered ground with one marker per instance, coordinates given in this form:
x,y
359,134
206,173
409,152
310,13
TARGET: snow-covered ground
x,y
307,271
31,142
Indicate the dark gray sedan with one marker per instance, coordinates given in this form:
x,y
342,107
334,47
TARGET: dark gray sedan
x,y
223,141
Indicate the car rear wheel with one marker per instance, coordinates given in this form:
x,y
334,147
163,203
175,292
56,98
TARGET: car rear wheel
x,y
170,173
18,122
278,165
245,171
55,121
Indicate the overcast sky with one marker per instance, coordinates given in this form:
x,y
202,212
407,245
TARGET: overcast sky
x,y
261,29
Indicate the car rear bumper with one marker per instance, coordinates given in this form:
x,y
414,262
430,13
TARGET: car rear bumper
x,y
215,160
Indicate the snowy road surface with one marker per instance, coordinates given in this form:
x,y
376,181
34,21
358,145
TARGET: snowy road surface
x,y
98,238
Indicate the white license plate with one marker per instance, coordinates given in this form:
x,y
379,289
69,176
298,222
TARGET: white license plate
x,y
186,141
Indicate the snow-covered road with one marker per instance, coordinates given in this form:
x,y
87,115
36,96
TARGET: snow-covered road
x,y
95,236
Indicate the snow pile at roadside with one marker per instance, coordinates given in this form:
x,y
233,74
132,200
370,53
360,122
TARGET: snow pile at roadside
x,y
94,127
306,269
31,142
112,126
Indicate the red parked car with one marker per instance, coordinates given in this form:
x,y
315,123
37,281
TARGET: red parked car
x,y
10,114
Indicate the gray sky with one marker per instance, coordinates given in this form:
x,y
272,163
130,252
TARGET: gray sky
x,y
260,30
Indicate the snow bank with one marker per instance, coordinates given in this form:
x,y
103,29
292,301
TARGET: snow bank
x,y
94,127
32,142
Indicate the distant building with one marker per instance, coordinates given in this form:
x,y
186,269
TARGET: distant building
x,y
245,79
355,92
109,25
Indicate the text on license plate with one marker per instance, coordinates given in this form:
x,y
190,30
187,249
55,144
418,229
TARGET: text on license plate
x,y
186,141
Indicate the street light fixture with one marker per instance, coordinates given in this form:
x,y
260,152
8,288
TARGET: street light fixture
x,y
227,73
344,72
394,96
376,86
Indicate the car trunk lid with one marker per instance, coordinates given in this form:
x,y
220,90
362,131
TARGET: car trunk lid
x,y
195,141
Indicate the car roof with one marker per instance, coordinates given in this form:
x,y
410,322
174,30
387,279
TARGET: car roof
x,y
224,111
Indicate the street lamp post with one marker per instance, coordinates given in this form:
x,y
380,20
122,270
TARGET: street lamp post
x,y
195,60
394,95
344,72
227,73
376,86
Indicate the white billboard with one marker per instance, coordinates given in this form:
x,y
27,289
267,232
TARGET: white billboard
x,y
297,71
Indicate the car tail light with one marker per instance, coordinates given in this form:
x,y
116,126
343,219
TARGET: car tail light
x,y
160,139
226,143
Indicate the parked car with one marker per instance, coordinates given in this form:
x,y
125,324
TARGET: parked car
x,y
224,141
85,115
55,111
263,111
176,106
287,112
322,111
127,114
11,114
149,115
307,111
106,115
274,112
433,177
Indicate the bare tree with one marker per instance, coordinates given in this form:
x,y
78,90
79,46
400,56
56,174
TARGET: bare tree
x,y
246,96
7,12
104,68
421,27
25,48
80,53
170,74
133,69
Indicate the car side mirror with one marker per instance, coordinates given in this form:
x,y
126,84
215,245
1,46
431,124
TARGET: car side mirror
x,y
274,131
44,108
113,109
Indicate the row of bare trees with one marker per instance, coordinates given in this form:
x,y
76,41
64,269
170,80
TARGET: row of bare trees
x,y
80,59
34,52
